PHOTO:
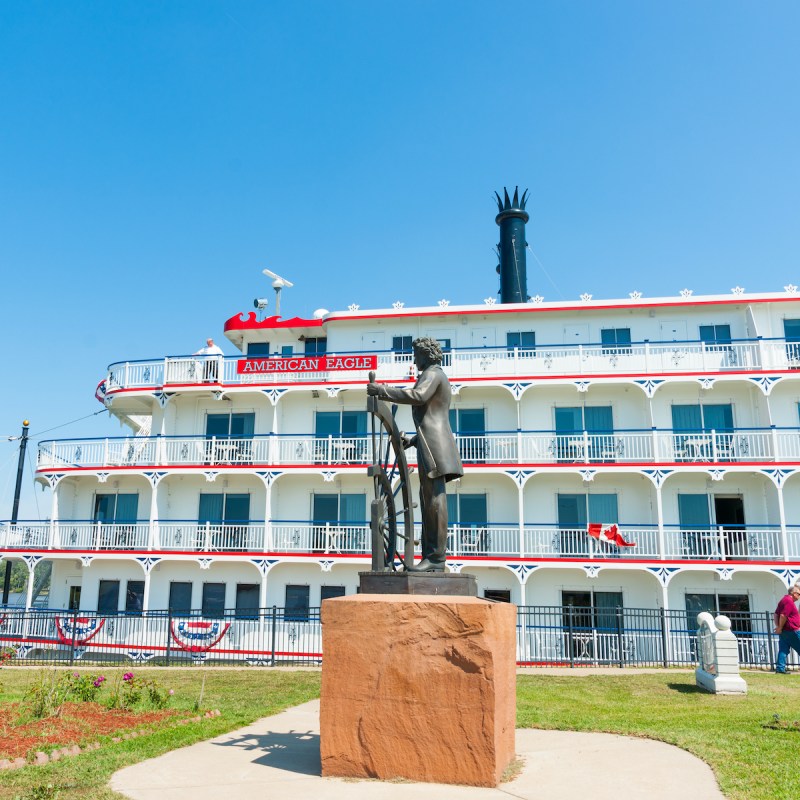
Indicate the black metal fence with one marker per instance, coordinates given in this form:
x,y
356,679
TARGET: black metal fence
x,y
546,636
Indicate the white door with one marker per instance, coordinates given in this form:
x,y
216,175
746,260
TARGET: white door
x,y
674,330
483,337
576,334
373,341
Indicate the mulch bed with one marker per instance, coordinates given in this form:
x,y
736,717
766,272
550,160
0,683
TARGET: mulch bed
x,y
78,723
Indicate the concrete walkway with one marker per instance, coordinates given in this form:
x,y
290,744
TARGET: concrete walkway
x,y
277,758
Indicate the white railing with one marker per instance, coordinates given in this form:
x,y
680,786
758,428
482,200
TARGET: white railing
x,y
725,543
211,537
722,543
305,537
621,447
577,360
552,541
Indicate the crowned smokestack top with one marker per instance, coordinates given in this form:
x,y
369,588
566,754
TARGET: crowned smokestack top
x,y
511,248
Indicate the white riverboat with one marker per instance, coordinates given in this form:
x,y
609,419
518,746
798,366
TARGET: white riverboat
x,y
673,423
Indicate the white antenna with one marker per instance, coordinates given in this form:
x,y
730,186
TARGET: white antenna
x,y
277,284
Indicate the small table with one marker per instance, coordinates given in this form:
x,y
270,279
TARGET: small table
x,y
697,448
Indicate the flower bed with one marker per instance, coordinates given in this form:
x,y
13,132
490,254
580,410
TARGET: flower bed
x,y
76,724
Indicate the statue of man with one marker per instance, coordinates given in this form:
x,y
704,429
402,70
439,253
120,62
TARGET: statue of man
x,y
437,454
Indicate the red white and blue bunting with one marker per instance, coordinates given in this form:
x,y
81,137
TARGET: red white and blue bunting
x,y
78,630
198,635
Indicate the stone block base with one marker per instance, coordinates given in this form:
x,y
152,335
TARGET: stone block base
x,y
420,687
720,684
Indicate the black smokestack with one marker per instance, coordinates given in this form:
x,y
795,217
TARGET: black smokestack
x,y
511,248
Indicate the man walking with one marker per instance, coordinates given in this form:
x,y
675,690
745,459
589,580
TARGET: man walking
x,y
787,626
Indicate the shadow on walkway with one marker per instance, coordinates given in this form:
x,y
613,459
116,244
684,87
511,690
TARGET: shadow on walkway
x,y
293,751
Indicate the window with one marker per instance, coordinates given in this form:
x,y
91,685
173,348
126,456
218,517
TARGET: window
x,y
498,595
690,420
134,597
111,508
327,592
227,517
213,599
287,350
108,597
469,425
258,348
521,340
316,345
118,511
734,606
247,598
342,436
180,597
468,517
402,344
575,512
585,611
74,603
296,603
339,521
615,340
597,421
791,332
715,335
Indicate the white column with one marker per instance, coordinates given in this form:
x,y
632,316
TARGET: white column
x,y
55,537
146,594
29,588
662,547
782,517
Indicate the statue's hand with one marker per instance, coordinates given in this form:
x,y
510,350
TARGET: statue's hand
x,y
373,389
408,441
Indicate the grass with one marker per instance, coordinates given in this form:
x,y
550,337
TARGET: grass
x,y
241,695
752,757
751,760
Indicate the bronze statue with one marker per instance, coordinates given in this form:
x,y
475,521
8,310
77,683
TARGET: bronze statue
x,y
437,454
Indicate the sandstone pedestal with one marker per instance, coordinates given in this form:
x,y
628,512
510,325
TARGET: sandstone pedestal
x,y
419,687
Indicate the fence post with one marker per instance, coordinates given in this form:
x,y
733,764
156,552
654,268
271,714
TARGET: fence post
x,y
169,635
74,632
770,641
662,614
570,638
619,637
273,634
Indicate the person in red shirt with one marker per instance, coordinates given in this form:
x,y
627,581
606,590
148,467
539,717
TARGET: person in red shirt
x,y
787,626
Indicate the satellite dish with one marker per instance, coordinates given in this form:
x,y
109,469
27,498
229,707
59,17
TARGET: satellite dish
x,y
278,283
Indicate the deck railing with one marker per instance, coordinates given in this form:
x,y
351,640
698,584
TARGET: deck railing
x,y
545,636
740,445
489,540
573,360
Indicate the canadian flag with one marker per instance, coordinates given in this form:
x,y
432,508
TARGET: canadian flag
x,y
608,533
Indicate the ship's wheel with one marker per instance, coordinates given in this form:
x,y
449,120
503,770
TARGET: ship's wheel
x,y
392,512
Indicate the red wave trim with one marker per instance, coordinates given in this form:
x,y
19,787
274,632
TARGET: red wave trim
x,y
238,322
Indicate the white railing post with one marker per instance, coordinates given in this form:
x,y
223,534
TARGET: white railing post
x,y
207,537
721,534
97,535
713,446
586,447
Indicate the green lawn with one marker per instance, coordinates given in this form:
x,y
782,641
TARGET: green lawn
x,y
729,733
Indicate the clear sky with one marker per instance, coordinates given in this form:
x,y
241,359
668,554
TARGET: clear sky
x,y
155,157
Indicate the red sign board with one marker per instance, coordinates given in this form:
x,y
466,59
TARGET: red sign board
x,y
255,366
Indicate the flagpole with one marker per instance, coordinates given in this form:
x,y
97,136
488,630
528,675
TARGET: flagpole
x,y
15,506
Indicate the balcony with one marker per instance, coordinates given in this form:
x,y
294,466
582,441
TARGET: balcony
x,y
566,360
741,445
490,540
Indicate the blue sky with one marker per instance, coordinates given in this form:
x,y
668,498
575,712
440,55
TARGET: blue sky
x,y
154,157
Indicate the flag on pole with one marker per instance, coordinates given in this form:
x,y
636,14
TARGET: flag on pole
x,y
608,533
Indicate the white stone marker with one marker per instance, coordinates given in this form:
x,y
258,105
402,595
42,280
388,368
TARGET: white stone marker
x,y
718,654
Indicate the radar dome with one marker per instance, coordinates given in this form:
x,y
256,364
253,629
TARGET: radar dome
x,y
320,313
